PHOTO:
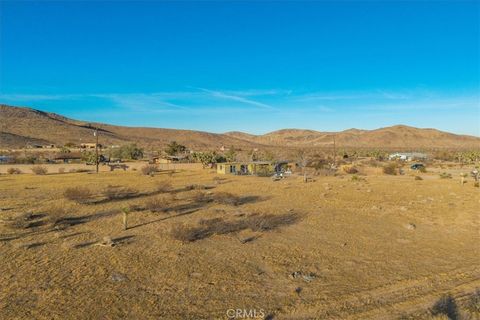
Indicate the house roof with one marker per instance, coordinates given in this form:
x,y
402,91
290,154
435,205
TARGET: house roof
x,y
248,162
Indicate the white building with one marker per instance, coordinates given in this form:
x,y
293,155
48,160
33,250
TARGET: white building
x,y
407,156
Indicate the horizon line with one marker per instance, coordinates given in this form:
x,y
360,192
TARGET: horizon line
x,y
237,131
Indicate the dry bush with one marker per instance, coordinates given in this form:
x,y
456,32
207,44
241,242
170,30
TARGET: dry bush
x,y
200,196
57,217
158,204
418,178
255,222
325,172
39,170
227,199
25,221
14,171
390,169
149,169
217,180
163,186
78,194
187,234
357,178
350,170
119,192
445,306
269,222
61,170
445,175
473,302
373,163
196,187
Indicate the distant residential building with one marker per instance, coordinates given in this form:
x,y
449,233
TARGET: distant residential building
x,y
408,156
41,146
246,168
89,145
169,159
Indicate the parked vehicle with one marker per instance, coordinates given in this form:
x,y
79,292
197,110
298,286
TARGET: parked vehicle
x,y
417,166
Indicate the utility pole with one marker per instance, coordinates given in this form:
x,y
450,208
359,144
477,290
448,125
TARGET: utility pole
x,y
95,133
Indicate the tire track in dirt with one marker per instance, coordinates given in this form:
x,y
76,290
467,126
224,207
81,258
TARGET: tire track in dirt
x,y
398,298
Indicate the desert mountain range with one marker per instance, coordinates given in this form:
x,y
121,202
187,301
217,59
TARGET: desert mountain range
x,y
21,126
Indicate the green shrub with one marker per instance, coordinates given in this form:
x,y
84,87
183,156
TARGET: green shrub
x,y
129,152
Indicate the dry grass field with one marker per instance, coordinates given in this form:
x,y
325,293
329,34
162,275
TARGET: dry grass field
x,y
199,244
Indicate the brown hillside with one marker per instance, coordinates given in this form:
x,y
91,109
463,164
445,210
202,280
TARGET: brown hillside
x,y
399,136
27,124
22,126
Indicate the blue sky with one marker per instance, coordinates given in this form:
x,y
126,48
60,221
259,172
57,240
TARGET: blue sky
x,y
246,66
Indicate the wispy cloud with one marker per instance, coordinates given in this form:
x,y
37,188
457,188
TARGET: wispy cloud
x,y
143,102
204,101
223,95
37,97
341,96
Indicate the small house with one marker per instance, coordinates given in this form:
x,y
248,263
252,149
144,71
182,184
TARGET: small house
x,y
90,145
246,168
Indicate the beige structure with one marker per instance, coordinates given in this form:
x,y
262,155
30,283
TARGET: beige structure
x,y
89,145
246,168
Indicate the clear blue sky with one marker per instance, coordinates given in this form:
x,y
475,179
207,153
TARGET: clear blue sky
x,y
255,67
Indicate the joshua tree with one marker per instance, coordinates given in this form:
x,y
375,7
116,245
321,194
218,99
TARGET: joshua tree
x,y
231,155
174,148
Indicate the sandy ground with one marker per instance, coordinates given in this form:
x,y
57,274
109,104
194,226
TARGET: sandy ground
x,y
383,247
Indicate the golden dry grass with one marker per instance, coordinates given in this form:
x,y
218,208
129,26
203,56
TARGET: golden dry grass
x,y
382,247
